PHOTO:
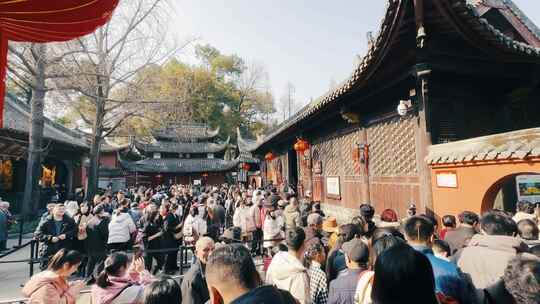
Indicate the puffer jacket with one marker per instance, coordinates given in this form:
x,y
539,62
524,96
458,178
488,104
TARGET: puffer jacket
x,y
486,257
49,288
292,217
121,228
287,272
244,220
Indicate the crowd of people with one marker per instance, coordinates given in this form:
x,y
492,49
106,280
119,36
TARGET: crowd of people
x,y
125,246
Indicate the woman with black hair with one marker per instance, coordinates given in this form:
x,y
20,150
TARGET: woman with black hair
x,y
403,275
97,233
336,258
119,283
169,224
81,218
152,241
164,291
314,257
51,286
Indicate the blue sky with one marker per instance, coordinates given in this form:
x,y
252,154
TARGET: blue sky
x,y
309,43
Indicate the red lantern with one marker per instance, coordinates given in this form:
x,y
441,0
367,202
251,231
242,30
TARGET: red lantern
x,y
246,166
205,175
47,21
269,156
301,145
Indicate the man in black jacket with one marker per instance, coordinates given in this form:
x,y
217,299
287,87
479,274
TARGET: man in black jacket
x,y
194,287
233,278
97,231
56,233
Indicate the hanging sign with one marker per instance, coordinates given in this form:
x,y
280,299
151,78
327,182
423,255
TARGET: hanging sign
x,y
447,179
333,187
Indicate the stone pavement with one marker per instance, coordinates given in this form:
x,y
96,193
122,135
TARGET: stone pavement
x,y
13,275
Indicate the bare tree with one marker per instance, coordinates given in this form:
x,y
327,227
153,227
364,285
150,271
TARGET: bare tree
x,y
287,102
31,67
103,70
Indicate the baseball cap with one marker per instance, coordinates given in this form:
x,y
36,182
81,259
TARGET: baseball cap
x,y
356,250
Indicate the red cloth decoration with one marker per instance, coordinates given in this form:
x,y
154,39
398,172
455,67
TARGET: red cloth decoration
x,y
43,21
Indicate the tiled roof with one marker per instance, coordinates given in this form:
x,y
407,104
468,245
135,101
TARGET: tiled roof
x,y
466,13
182,147
152,165
17,118
244,144
188,132
512,145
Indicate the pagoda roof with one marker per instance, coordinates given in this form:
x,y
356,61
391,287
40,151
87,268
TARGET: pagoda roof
x,y
17,118
245,144
182,147
387,52
163,165
186,132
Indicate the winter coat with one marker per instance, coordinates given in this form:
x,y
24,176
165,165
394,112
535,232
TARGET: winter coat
x,y
265,295
168,226
49,288
97,231
151,228
4,225
194,287
121,228
193,226
342,290
47,231
288,273
272,230
124,290
448,278
459,237
486,257
292,217
257,213
244,220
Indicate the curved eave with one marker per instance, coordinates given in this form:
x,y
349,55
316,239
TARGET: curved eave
x,y
244,144
180,147
151,165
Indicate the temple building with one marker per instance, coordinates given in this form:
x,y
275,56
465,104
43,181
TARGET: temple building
x,y
442,111
180,153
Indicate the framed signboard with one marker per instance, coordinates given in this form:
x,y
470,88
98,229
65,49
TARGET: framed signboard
x,y
447,179
528,188
333,187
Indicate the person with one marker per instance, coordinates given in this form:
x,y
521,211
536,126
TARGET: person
x,y
97,231
389,218
51,286
168,240
528,232
56,233
342,289
403,275
305,208
330,232
272,228
292,215
488,253
194,226
257,212
441,249
314,257
121,228
45,215
72,208
525,210
449,224
120,281
6,220
336,263
135,213
317,209
152,242
313,230
368,212
419,233
365,280
81,218
243,219
459,237
163,291
194,286
286,271
233,279
520,283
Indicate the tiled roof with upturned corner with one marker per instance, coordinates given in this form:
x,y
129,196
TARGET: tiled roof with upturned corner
x,y
186,132
466,14
17,118
520,144
164,165
182,147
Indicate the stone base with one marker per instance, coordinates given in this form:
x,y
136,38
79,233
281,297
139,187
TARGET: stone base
x,y
343,215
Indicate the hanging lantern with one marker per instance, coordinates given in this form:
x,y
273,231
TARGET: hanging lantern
x,y
205,175
269,156
246,166
301,145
